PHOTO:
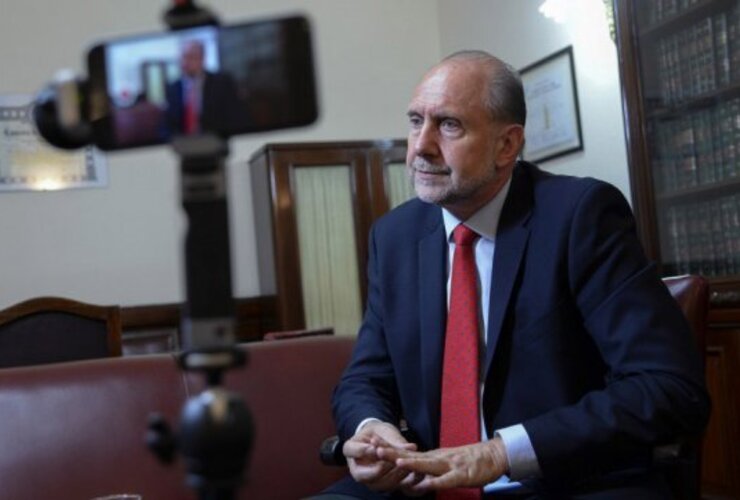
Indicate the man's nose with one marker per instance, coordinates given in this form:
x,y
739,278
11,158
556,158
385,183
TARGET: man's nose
x,y
426,144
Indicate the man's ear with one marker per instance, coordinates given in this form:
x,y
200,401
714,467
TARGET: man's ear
x,y
511,140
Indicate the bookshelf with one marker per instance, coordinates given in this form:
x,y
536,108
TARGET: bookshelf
x,y
680,70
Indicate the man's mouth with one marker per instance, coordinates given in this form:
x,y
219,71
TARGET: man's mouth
x,y
429,169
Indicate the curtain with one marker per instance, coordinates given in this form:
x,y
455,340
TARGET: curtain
x,y
328,255
398,184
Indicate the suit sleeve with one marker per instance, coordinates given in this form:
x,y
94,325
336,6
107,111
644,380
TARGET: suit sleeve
x,y
367,388
654,388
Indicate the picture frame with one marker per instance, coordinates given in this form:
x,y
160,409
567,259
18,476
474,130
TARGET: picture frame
x,y
553,127
29,163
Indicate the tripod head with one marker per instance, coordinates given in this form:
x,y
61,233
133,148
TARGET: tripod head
x,y
216,429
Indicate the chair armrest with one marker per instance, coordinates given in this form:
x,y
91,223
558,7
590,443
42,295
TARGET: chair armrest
x,y
683,448
680,465
330,452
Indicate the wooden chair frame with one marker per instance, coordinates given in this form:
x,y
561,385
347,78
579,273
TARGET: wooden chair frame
x,y
111,315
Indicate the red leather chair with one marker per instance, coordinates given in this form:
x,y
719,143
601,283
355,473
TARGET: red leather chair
x,y
692,294
76,430
684,472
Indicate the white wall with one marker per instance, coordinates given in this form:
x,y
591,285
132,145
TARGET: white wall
x,y
122,244
515,31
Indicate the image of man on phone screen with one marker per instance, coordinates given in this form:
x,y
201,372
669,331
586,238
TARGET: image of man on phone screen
x,y
201,100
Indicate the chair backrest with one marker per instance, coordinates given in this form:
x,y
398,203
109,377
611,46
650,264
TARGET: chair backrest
x,y
692,294
54,329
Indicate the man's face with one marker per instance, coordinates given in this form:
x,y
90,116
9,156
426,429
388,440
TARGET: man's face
x,y
454,145
192,60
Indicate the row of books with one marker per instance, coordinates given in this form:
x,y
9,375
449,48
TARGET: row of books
x,y
702,237
697,149
659,10
699,59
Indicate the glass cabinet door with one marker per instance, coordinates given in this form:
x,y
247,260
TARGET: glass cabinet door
x,y
314,204
689,53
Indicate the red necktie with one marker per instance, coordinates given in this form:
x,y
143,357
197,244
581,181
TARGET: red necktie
x,y
460,419
190,120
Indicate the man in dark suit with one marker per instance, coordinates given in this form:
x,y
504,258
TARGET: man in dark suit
x,y
585,363
203,101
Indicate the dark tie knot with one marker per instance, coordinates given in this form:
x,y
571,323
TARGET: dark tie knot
x,y
464,236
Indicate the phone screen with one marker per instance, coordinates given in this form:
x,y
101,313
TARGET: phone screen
x,y
226,80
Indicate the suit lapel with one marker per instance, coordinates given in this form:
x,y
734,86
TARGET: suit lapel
x,y
432,250
511,242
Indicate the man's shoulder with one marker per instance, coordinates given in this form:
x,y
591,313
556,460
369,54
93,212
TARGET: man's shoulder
x,y
411,217
545,180
562,190
219,78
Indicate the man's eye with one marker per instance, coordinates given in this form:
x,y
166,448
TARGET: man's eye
x,y
450,125
415,121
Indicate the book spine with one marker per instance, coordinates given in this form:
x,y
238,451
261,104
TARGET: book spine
x,y
704,236
682,241
734,112
669,243
733,232
726,137
717,145
686,148
733,39
719,239
721,50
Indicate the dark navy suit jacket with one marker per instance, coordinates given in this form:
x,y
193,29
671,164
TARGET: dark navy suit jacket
x,y
221,110
585,346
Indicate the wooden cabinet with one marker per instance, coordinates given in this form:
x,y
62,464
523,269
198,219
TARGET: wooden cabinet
x,y
680,69
314,204
721,467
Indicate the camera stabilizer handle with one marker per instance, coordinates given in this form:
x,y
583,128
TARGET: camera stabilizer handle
x,y
216,429
208,313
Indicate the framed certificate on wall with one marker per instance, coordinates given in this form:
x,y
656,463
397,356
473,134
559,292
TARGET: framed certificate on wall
x,y
28,163
553,126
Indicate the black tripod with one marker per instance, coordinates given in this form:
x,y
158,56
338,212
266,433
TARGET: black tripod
x,y
216,429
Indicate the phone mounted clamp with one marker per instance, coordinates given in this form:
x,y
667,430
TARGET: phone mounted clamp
x,y
216,430
60,112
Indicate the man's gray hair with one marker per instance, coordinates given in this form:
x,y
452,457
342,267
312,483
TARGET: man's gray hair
x,y
505,98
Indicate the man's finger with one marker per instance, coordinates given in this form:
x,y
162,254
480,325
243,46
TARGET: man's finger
x,y
377,440
395,475
391,478
394,453
370,473
408,484
423,464
448,480
412,479
358,450
451,479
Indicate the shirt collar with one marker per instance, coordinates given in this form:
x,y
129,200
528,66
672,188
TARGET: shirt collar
x,y
484,221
